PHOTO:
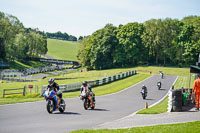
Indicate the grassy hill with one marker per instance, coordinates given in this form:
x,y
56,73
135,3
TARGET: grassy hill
x,y
64,50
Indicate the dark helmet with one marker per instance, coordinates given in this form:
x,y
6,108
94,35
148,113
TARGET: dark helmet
x,y
51,81
84,83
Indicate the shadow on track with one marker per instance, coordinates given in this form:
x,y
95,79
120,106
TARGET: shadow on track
x,y
162,89
149,99
68,113
99,110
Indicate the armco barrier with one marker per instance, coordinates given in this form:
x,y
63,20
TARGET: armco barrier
x,y
77,86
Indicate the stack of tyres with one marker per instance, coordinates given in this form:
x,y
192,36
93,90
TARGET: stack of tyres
x,y
176,100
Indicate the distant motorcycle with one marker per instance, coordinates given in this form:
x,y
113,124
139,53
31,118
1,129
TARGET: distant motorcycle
x,y
87,100
144,93
159,85
162,75
52,103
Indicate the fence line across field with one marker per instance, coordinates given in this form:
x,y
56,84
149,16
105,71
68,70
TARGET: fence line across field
x,y
28,89
4,91
77,86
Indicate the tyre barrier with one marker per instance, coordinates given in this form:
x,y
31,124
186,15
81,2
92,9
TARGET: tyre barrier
x,y
177,100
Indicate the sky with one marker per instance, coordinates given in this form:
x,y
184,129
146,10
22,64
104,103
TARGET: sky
x,y
83,17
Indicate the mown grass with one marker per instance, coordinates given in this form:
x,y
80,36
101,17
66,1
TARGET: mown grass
x,y
26,64
165,70
189,127
64,50
157,109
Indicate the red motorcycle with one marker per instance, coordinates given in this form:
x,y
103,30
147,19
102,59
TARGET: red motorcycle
x,y
88,101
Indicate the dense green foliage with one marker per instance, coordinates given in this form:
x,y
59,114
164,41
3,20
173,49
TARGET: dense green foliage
x,y
156,41
16,42
64,50
61,36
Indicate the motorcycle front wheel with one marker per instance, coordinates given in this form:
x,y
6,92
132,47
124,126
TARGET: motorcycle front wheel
x,y
85,104
50,106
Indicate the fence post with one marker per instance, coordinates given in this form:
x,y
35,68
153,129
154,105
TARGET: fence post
x,y
24,91
4,92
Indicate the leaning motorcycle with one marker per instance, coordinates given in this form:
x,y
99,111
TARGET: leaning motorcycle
x,y
87,100
52,102
144,94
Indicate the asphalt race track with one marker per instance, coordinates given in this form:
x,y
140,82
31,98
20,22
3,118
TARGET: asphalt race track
x,y
34,118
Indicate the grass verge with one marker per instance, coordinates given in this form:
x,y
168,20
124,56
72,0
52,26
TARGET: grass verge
x,y
170,128
157,109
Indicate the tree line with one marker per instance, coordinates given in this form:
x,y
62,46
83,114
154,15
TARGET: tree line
x,y
154,42
18,42
61,36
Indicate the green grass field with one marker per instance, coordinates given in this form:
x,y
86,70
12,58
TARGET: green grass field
x,y
64,50
26,64
189,127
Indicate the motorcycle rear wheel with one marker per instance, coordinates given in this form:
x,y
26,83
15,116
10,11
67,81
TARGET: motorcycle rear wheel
x,y
62,106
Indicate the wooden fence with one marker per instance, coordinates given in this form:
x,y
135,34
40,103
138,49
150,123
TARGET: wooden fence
x,y
23,92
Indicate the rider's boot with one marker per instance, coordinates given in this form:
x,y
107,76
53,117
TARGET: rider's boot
x,y
58,104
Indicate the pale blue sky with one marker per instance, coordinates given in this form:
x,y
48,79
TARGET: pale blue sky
x,y
83,17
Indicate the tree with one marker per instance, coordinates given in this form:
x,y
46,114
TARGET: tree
x,y
129,37
97,49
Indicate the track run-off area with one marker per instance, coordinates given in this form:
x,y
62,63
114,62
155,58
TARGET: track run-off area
x,y
33,117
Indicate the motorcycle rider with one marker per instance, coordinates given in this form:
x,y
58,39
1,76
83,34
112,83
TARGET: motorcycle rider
x,y
159,83
144,90
53,85
162,74
86,88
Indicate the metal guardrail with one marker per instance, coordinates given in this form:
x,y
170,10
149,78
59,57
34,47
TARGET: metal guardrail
x,y
77,86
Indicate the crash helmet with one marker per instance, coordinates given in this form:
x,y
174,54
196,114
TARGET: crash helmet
x,y
84,83
51,81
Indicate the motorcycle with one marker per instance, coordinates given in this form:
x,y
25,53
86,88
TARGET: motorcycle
x,y
159,86
52,102
144,93
87,100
